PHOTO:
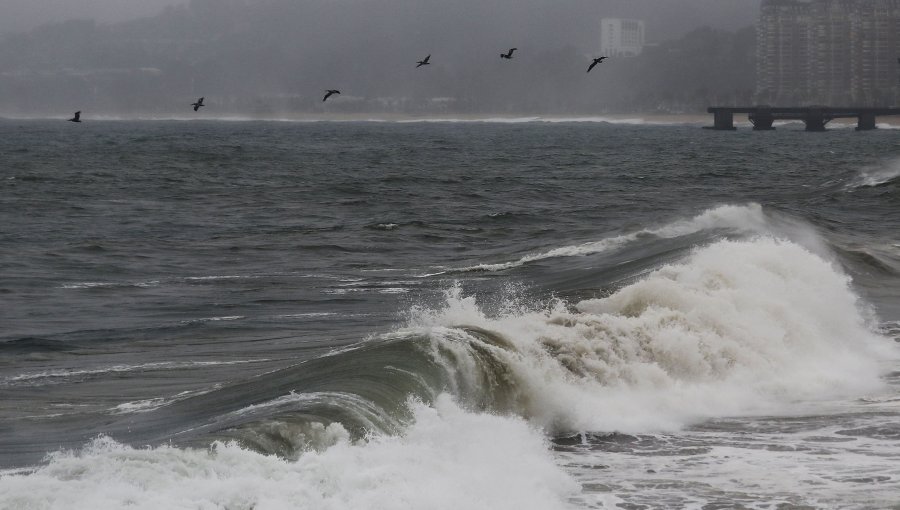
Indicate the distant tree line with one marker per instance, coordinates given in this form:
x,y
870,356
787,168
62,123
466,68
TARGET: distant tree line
x,y
276,57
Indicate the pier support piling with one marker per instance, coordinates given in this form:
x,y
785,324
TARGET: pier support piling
x,y
866,122
723,120
762,120
815,120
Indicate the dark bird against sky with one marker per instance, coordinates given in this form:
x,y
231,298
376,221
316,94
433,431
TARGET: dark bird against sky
x,y
423,62
77,117
198,104
330,93
508,55
596,61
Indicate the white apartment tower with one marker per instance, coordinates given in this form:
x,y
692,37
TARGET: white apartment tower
x,y
621,37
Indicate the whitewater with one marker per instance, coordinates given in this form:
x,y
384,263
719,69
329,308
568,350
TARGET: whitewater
x,y
515,339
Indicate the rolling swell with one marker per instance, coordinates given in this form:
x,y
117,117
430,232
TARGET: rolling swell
x,y
362,390
741,323
724,220
737,327
672,352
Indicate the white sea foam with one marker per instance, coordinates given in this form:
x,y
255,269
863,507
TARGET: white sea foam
x,y
662,120
62,375
90,285
811,464
740,327
748,218
214,319
877,175
187,279
447,459
305,315
631,121
143,406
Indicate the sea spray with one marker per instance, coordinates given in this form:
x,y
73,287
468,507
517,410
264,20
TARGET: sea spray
x,y
739,327
739,219
877,175
447,459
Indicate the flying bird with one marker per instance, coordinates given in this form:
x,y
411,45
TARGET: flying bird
x,y
596,61
424,62
198,104
77,117
508,54
330,93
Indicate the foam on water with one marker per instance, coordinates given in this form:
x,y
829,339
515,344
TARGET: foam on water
x,y
446,459
877,175
748,218
630,121
739,328
60,376
655,120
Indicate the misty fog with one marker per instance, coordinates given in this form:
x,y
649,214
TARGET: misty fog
x,y
21,15
271,57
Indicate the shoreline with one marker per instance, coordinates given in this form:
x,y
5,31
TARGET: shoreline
x,y
635,119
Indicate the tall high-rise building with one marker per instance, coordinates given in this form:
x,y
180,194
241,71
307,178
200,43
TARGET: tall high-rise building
x,y
832,52
621,37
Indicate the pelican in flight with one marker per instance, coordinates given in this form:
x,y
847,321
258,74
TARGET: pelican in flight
x,y
330,93
77,117
423,62
596,61
508,54
198,104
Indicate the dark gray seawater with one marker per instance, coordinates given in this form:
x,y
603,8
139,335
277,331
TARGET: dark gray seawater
x,y
290,286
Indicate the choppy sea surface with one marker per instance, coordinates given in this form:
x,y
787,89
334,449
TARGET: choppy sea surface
x,y
447,315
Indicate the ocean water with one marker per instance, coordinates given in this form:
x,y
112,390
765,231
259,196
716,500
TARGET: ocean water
x,y
447,315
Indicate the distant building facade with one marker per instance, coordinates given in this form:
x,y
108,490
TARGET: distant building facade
x,y
621,37
830,52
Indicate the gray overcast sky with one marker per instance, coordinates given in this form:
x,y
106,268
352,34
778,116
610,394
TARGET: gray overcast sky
x,y
21,15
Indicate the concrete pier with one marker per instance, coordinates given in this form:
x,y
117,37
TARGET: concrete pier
x,y
723,121
815,117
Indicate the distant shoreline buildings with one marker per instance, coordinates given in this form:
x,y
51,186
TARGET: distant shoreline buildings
x,y
829,52
621,37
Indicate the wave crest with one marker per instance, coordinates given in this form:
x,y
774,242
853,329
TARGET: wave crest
x,y
740,327
748,218
877,176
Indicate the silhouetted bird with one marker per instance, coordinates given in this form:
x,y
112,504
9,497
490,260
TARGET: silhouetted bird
x,y
330,93
596,61
198,104
77,117
508,54
424,62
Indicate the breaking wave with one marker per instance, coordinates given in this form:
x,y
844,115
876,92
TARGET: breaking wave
x,y
453,410
744,219
739,327
447,458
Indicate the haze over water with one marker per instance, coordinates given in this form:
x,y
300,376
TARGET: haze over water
x,y
262,315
